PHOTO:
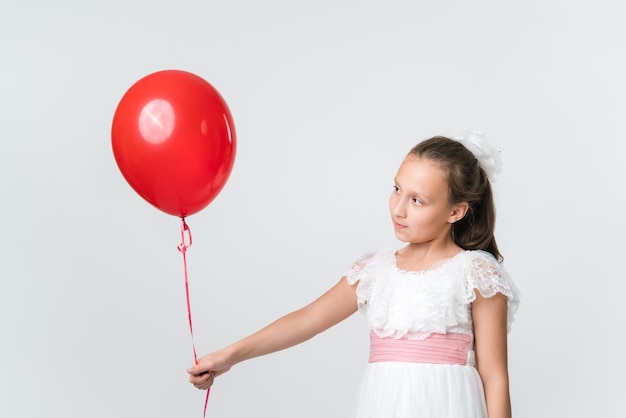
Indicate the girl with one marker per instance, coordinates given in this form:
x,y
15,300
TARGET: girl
x,y
439,308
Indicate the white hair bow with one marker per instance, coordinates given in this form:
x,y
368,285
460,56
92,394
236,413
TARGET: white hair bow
x,y
489,156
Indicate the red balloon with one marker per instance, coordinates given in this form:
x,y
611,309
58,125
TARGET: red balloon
x,y
174,141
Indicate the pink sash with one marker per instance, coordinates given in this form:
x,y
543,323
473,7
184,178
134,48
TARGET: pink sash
x,y
450,348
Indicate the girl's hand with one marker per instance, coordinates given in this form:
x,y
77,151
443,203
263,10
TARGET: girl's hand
x,y
208,368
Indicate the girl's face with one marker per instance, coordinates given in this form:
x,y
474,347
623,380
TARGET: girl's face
x,y
419,204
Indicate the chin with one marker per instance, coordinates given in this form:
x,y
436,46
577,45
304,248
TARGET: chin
x,y
402,238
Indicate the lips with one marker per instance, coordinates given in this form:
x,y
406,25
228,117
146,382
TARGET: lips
x,y
399,226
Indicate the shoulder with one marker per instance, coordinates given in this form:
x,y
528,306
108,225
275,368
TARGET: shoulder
x,y
485,274
366,264
374,256
480,256
481,268
479,261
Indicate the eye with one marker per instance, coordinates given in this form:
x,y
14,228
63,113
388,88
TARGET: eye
x,y
416,201
396,188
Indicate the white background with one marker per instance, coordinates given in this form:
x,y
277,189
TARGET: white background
x,y
327,98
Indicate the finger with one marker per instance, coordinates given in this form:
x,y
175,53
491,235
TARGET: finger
x,y
198,379
201,367
203,379
194,370
206,381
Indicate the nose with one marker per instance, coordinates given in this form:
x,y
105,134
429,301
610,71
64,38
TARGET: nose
x,y
397,207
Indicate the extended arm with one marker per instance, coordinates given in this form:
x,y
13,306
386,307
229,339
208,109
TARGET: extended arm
x,y
329,309
490,330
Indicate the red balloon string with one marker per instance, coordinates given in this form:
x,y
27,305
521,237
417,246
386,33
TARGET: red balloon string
x,y
186,241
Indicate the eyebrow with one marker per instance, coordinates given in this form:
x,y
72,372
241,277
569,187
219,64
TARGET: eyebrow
x,y
422,196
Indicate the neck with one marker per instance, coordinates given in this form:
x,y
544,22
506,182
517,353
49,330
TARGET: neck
x,y
419,257
433,250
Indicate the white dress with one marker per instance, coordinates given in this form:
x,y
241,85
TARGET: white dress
x,y
413,305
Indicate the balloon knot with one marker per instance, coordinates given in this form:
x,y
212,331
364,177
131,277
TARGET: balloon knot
x,y
185,236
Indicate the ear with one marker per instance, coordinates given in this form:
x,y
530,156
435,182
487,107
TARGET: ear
x,y
458,212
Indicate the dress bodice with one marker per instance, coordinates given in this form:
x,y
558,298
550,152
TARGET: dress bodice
x,y
415,304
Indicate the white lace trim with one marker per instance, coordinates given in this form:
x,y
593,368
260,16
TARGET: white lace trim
x,y
416,304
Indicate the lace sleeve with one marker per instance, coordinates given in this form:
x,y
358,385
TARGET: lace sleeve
x,y
489,277
361,271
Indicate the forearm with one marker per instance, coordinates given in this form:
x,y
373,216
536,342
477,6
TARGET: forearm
x,y
497,398
490,333
290,330
327,310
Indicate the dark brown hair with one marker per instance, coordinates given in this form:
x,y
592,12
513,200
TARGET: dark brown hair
x,y
467,182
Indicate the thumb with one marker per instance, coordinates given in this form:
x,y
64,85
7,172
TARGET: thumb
x,y
195,370
202,365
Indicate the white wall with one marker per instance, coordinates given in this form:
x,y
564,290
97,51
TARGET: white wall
x,y
327,97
